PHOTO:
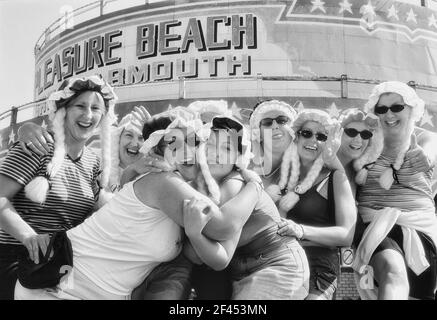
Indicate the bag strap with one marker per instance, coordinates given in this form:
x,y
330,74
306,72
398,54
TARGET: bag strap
x,y
331,200
50,246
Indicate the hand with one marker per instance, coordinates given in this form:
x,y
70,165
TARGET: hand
x,y
150,163
418,156
289,228
34,138
331,146
34,243
141,114
197,213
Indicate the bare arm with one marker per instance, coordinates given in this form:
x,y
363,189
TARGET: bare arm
x,y
167,192
34,138
345,215
13,224
215,254
428,141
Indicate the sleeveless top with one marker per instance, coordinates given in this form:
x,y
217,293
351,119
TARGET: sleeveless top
x,y
313,209
119,245
263,216
411,192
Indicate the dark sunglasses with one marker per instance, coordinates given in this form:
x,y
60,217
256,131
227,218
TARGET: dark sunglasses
x,y
307,134
394,108
352,132
281,120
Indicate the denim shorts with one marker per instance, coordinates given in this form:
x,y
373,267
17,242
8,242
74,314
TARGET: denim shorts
x,y
421,286
324,270
271,267
168,281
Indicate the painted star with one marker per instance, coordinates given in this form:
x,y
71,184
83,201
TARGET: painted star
x,y
333,110
318,4
368,12
11,137
236,111
393,13
427,118
432,22
411,16
299,107
345,6
44,125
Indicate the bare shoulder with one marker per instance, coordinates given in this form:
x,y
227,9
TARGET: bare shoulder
x,y
152,186
231,186
424,136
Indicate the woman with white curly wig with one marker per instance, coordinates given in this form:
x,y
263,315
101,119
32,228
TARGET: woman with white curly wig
x,y
44,194
399,243
317,199
361,144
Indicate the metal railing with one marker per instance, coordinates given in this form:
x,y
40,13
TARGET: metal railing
x,y
343,81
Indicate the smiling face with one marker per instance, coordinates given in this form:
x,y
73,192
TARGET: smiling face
x,y
394,124
131,140
83,116
221,153
181,152
275,136
352,148
310,148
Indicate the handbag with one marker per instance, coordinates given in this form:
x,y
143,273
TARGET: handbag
x,y
50,270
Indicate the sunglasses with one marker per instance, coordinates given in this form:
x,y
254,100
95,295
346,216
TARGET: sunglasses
x,y
281,120
394,108
307,134
352,132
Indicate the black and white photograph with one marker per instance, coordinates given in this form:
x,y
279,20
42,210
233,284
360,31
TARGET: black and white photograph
x,y
239,151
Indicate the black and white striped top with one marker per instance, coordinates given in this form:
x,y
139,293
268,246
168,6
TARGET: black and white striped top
x,y
411,192
70,199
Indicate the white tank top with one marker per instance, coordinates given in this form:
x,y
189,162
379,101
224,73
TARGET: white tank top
x,y
119,245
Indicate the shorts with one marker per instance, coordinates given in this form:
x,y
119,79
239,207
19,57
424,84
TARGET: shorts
x,y
168,281
421,286
324,270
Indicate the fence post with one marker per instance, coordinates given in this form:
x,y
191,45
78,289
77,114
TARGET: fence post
x,y
412,84
102,4
344,90
14,114
181,88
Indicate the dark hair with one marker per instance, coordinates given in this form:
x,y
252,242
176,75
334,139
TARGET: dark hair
x,y
153,125
82,85
230,126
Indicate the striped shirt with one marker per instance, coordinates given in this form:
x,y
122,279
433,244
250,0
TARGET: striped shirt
x,y
70,199
413,192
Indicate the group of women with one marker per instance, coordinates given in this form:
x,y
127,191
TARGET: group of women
x,y
192,198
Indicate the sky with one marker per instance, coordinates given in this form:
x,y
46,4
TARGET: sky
x,y
21,24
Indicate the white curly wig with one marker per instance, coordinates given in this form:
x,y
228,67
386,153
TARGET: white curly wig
x,y
207,109
128,122
412,100
374,147
37,189
255,131
290,168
